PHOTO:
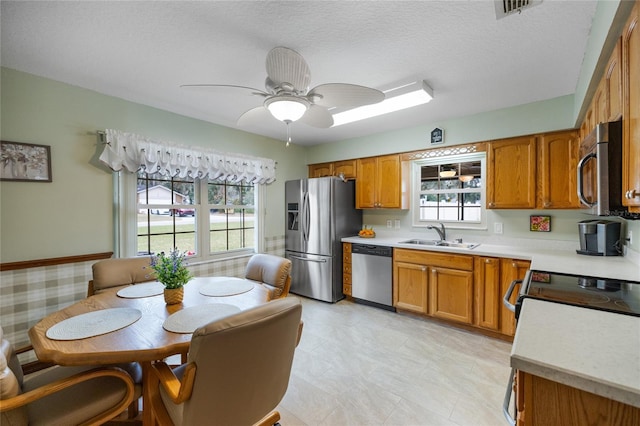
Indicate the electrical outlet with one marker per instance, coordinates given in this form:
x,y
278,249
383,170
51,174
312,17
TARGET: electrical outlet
x,y
497,228
397,223
389,223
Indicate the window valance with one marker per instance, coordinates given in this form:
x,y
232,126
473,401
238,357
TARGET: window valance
x,y
133,152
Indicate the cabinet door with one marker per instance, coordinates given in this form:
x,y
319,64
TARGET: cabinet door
x,y
320,170
366,170
346,269
631,94
388,185
510,270
558,162
410,283
613,83
451,294
600,103
512,174
487,292
346,168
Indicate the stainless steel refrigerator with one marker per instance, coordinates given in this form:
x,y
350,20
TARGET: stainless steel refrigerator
x,y
320,212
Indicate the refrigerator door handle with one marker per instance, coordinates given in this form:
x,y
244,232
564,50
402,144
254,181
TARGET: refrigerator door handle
x,y
306,259
307,217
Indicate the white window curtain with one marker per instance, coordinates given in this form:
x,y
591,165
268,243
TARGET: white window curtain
x,y
134,152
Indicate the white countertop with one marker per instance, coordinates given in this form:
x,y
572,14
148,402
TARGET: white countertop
x,y
542,259
596,351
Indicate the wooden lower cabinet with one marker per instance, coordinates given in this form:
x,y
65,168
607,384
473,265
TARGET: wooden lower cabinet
x,y
451,295
436,284
545,402
464,289
510,270
487,297
410,290
346,269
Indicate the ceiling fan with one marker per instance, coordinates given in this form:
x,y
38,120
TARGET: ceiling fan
x,y
288,98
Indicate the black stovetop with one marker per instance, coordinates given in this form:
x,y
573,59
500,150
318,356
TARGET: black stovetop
x,y
613,295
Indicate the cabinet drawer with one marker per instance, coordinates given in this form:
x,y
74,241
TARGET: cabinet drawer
x,y
434,259
346,268
346,289
346,257
346,278
346,247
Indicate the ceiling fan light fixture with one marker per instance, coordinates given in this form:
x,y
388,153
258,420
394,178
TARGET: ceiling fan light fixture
x,y
396,99
447,173
287,108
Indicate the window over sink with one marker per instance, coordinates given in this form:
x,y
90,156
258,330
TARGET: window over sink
x,y
449,189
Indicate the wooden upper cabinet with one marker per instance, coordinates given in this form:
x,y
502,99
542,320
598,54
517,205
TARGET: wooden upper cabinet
x,y
346,168
320,170
613,84
557,170
379,183
631,102
511,173
600,109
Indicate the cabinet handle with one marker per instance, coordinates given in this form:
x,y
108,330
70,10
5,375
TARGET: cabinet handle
x,y
487,261
632,193
492,204
514,265
424,268
547,204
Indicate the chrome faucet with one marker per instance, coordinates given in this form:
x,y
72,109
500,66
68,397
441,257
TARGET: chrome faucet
x,y
441,231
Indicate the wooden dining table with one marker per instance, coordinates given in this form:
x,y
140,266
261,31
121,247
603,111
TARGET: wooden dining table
x,y
143,341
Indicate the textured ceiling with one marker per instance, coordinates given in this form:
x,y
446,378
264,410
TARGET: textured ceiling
x,y
143,51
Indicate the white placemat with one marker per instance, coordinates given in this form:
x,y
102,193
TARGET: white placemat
x,y
93,323
187,320
225,286
141,290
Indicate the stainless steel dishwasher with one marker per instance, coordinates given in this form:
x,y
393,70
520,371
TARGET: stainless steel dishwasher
x,y
371,275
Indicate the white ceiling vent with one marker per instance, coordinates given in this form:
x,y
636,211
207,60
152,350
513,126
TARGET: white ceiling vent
x,y
508,7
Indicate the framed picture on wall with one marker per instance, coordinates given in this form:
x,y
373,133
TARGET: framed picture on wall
x,y
25,162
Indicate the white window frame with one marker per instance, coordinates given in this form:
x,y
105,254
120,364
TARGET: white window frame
x,y
126,213
416,166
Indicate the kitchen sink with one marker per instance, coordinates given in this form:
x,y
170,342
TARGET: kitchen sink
x,y
421,242
439,243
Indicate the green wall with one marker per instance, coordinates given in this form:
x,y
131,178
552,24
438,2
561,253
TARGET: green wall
x,y
73,214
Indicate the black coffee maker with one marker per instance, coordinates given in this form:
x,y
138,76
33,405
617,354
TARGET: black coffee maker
x,y
599,238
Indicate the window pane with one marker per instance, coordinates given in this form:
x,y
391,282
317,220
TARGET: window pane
x,y
450,191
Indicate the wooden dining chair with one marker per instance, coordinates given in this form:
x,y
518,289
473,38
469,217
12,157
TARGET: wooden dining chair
x,y
118,273
61,395
273,272
223,381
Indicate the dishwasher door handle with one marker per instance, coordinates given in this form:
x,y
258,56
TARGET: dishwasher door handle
x,y
306,259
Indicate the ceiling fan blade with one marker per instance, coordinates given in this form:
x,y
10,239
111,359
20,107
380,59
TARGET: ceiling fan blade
x,y
255,115
317,116
224,87
342,95
288,66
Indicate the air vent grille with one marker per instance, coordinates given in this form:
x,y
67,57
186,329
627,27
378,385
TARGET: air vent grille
x,y
508,7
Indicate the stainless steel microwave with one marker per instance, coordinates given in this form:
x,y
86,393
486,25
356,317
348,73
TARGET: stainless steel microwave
x,y
600,171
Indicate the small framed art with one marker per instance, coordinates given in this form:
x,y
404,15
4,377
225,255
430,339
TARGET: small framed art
x,y
540,223
25,162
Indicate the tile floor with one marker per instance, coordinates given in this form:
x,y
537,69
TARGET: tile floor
x,y
359,365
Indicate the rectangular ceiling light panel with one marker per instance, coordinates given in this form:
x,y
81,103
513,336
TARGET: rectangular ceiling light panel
x,y
398,98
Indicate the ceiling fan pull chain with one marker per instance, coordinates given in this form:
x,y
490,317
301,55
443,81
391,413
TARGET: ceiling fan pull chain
x,y
288,123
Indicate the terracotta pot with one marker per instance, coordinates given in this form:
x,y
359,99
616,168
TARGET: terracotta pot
x,y
173,296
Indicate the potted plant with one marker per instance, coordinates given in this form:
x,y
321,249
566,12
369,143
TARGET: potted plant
x,y
171,270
